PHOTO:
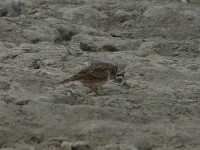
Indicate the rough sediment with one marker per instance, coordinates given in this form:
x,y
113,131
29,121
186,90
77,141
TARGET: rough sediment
x,y
156,105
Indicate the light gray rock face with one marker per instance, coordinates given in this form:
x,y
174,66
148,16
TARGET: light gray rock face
x,y
88,43
155,103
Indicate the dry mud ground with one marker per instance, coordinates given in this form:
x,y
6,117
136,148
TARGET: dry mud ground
x,y
155,105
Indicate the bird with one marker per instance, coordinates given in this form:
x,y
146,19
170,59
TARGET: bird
x,y
95,75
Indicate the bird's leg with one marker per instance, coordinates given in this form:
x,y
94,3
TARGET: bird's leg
x,y
114,77
95,90
89,91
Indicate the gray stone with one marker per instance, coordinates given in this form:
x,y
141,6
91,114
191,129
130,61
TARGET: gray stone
x,y
80,145
3,12
120,147
25,147
66,145
194,67
82,42
41,33
153,105
88,12
122,15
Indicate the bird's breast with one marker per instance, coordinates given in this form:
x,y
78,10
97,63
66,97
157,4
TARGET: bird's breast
x,y
95,82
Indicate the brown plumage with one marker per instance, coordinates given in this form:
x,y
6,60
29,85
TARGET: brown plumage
x,y
95,75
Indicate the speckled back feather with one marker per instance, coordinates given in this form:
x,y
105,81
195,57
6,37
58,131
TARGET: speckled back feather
x,y
94,71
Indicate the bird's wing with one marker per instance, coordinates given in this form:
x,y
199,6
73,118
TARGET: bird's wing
x,y
99,71
91,72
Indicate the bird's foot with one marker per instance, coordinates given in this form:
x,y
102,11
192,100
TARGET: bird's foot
x,y
95,90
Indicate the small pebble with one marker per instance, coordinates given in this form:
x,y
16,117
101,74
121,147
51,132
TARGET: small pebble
x,y
66,145
194,67
80,145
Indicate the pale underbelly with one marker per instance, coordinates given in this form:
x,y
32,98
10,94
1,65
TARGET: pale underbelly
x,y
94,84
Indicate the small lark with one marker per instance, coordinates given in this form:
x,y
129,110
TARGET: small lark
x,y
95,75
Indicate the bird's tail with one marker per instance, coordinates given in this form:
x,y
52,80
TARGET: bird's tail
x,y
66,80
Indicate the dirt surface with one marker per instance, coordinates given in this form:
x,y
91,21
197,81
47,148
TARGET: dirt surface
x,y
155,44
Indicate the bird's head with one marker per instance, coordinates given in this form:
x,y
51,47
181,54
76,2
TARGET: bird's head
x,y
114,70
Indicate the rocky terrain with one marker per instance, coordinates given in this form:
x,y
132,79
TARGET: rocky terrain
x,y
154,106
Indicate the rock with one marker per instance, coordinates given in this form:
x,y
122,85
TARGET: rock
x,y
4,85
80,145
16,8
87,47
109,48
185,1
66,145
82,14
82,42
92,31
155,102
20,147
175,48
193,67
65,29
11,8
41,33
3,12
147,46
76,2
68,30
21,102
25,147
122,15
120,147
13,29
160,11
142,53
